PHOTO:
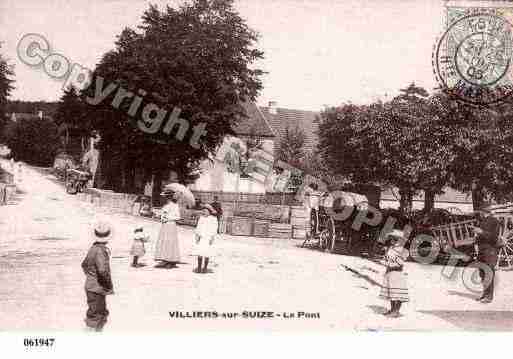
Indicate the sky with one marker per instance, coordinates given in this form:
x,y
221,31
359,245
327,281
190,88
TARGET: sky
x,y
317,52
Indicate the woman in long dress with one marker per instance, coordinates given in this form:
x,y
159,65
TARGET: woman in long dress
x,y
167,248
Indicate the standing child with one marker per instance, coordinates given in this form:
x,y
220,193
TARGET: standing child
x,y
138,249
205,234
98,283
395,287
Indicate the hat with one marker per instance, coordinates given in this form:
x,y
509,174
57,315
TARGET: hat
x,y
396,233
139,233
167,193
102,231
210,209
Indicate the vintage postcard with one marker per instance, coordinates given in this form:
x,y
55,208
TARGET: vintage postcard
x,y
254,166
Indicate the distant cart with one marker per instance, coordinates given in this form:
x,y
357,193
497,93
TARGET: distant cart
x,y
325,230
76,180
459,238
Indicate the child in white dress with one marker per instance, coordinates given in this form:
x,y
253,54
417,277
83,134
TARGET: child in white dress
x,y
138,250
395,285
204,237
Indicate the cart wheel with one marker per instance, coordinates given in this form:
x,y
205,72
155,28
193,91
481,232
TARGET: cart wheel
x,y
330,235
71,188
323,239
314,225
505,255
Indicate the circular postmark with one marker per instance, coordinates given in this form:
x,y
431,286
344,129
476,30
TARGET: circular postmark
x,y
472,59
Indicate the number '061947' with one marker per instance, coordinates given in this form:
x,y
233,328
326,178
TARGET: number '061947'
x,y
38,342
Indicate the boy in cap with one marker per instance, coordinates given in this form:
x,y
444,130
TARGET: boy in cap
x,y
98,283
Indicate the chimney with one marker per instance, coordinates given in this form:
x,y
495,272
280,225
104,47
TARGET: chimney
x,y
40,114
273,107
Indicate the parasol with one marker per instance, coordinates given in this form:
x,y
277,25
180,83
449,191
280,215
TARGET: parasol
x,y
182,192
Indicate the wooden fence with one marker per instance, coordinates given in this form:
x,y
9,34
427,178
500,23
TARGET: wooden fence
x,y
284,199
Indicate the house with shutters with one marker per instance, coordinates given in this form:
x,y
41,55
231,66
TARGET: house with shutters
x,y
216,174
264,128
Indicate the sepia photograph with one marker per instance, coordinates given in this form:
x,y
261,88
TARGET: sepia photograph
x,y
238,166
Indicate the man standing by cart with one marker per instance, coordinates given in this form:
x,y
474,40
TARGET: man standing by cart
x,y
90,161
311,203
487,235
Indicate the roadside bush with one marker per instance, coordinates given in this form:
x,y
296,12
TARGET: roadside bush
x,y
34,141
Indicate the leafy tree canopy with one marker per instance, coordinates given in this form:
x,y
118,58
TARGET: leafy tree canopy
x,y
415,142
70,110
34,140
197,57
291,146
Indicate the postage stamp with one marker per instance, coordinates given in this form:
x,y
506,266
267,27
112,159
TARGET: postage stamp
x,y
472,58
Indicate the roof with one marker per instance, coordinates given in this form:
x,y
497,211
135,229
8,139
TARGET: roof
x,y
450,195
255,125
288,118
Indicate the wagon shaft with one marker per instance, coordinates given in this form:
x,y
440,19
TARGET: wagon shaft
x,y
458,234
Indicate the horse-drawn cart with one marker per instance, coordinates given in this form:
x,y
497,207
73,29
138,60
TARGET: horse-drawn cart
x,y
458,238
325,231
76,180
453,233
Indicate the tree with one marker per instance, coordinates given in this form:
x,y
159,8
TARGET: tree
x,y
412,103
6,86
70,108
196,58
342,143
34,140
416,143
70,117
291,147
412,94
399,143
484,155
